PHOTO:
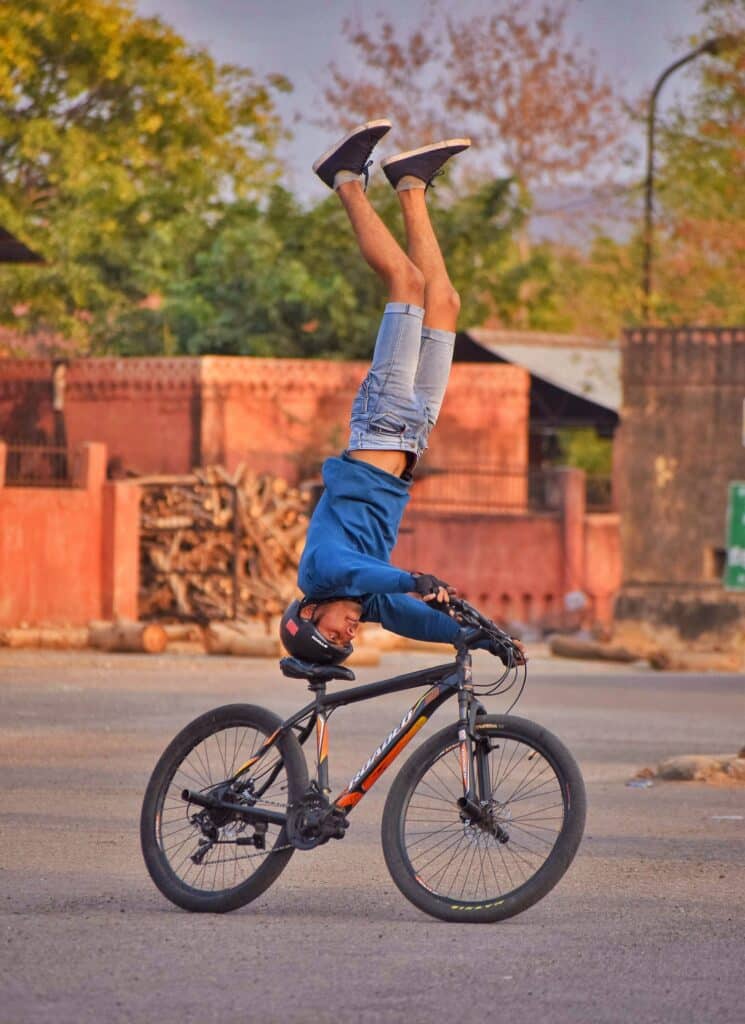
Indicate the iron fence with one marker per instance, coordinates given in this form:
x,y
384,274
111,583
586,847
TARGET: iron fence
x,y
486,489
37,465
599,493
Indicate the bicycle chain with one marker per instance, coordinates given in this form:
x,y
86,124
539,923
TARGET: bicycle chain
x,y
259,853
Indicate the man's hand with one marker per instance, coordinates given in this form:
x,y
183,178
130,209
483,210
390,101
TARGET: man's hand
x,y
431,588
512,655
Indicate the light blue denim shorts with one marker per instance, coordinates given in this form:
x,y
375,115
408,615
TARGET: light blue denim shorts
x,y
400,398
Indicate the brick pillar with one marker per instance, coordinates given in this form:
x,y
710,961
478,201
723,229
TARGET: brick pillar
x,y
3,460
89,466
572,497
120,561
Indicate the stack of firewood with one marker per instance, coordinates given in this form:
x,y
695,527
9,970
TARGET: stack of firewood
x,y
219,546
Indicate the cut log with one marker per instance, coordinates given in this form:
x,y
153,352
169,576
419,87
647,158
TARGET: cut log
x,y
363,656
214,545
572,647
59,638
682,660
146,637
183,632
240,639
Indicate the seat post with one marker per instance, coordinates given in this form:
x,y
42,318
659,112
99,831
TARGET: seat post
x,y
318,687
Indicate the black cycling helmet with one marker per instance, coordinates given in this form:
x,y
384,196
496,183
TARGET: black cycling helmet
x,y
301,638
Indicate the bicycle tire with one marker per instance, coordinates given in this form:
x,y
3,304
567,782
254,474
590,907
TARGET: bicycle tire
x,y
424,795
230,734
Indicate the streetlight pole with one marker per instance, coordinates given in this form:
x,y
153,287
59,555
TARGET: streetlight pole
x,y
712,46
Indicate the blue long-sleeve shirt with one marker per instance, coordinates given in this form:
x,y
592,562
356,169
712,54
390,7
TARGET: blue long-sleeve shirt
x,y
347,552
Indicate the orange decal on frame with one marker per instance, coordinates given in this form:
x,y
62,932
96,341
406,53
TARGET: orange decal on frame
x,y
349,799
252,760
392,754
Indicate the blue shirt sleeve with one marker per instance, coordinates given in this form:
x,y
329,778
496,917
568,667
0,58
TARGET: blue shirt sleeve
x,y
409,617
341,570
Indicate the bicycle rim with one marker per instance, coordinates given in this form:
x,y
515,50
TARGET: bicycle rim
x,y
229,861
466,863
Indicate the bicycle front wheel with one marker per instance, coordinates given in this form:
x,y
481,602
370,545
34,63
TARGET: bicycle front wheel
x,y
459,868
204,860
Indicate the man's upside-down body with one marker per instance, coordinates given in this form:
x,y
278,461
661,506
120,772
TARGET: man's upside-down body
x,y
345,571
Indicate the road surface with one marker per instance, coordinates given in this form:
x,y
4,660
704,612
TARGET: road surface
x,y
647,926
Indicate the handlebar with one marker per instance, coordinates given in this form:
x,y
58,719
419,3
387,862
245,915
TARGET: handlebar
x,y
467,615
478,627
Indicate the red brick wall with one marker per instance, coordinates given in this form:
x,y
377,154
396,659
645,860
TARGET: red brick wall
x,y
68,555
166,415
513,567
508,566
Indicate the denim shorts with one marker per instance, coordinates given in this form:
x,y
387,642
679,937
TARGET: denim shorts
x,y
400,398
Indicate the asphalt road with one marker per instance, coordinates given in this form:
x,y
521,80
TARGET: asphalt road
x,y
647,926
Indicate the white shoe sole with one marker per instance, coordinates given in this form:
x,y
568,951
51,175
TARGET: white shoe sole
x,y
381,123
445,144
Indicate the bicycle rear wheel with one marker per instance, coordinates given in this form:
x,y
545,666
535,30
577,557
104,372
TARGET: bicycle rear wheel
x,y
204,860
532,821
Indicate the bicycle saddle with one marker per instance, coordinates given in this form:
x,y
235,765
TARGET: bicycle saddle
x,y
297,669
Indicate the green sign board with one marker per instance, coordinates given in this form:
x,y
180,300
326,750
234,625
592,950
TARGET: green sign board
x,y
734,573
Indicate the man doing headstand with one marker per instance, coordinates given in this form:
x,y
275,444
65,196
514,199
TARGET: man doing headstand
x,y
345,571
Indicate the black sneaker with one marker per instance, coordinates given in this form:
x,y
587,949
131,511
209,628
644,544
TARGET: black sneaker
x,y
422,163
352,152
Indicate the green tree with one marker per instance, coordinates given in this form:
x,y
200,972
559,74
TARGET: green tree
x,y
280,279
118,145
700,254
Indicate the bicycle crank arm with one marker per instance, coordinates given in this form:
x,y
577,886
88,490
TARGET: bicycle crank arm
x,y
249,813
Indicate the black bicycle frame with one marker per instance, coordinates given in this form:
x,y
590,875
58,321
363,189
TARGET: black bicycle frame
x,y
445,681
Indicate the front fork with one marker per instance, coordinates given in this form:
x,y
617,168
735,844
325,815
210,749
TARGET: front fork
x,y
476,785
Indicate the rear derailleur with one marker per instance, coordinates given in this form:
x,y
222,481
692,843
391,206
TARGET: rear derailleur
x,y
219,826
312,820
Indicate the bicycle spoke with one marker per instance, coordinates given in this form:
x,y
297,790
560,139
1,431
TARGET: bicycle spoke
x,y
208,764
464,860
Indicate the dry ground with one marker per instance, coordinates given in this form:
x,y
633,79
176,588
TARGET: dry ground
x,y
647,925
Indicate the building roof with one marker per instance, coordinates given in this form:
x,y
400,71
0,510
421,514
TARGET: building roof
x,y
14,251
586,367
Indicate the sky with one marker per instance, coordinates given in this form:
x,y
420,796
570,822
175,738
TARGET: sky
x,y
634,40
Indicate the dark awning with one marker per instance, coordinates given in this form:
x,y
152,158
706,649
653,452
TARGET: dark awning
x,y
13,251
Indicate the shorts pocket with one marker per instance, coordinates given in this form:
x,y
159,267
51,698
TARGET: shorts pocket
x,y
387,423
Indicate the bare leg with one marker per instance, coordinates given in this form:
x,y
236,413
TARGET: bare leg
x,y
380,249
441,301
402,278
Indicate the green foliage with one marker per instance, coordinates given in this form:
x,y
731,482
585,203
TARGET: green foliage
x,y
596,292
700,258
287,281
582,448
117,140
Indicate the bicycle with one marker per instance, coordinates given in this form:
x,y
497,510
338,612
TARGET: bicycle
x,y
481,822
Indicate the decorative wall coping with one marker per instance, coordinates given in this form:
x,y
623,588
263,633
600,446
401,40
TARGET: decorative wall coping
x,y
683,357
105,374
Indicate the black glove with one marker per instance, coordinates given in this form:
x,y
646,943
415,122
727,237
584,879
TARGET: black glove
x,y
426,584
508,653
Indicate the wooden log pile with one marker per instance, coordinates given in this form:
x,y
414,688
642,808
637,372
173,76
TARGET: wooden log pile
x,y
219,546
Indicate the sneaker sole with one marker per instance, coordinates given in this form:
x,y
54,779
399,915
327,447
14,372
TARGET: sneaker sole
x,y
445,144
368,126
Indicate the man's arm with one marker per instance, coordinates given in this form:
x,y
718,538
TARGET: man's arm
x,y
409,617
344,571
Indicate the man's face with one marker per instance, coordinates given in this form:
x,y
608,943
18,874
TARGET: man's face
x,y
338,621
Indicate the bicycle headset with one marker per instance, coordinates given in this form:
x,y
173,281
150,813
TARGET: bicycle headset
x,y
303,640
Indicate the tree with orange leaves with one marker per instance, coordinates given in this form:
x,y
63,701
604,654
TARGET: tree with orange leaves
x,y
513,80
